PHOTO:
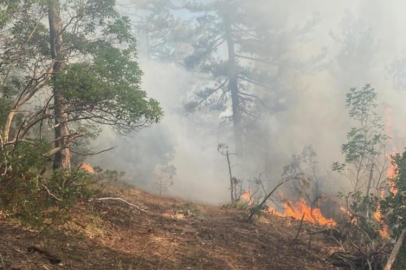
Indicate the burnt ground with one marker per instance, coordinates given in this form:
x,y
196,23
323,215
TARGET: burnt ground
x,y
172,234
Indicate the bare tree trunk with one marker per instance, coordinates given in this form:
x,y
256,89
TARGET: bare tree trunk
x,y
371,177
233,87
231,177
62,158
8,125
395,251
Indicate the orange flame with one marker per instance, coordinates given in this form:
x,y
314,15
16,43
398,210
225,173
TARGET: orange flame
x,y
353,219
378,214
391,172
87,167
300,210
384,231
247,197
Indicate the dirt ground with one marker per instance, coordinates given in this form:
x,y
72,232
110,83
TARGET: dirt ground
x,y
172,234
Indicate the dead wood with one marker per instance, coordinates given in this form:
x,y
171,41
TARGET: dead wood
x,y
259,206
395,251
124,201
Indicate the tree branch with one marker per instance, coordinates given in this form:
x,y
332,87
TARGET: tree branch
x,y
71,138
251,58
94,154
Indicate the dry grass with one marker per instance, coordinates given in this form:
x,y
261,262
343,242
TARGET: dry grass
x,y
173,234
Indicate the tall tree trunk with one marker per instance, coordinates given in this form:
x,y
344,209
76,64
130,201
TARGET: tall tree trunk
x,y
395,251
232,188
233,87
62,158
371,177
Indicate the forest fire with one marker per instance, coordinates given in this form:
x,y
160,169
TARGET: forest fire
x,y
86,167
384,231
391,171
300,210
352,218
247,197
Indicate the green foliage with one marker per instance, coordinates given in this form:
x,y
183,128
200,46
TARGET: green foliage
x,y
8,9
241,205
107,91
101,85
359,203
104,87
366,141
364,154
69,186
30,193
394,205
100,82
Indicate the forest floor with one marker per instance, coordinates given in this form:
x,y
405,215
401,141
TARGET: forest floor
x,y
172,234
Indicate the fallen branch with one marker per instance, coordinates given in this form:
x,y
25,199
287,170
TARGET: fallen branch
x,y
280,183
124,201
395,251
50,193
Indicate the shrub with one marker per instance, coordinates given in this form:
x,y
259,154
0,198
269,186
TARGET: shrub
x,y
33,194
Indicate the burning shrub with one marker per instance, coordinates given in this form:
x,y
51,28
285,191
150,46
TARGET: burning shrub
x,y
394,205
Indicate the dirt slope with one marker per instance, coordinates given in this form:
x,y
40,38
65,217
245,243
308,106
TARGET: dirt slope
x,y
172,234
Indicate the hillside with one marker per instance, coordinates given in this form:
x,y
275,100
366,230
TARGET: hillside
x,y
170,234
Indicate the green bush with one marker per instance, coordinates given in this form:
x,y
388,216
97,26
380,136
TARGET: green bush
x,y
32,193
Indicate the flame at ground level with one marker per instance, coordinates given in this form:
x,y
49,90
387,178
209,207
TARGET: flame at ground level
x,y
300,210
247,197
87,167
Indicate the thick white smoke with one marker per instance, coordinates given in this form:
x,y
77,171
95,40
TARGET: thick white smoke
x,y
352,44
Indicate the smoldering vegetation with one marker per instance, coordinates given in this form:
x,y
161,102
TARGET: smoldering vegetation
x,y
284,113
296,62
